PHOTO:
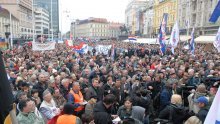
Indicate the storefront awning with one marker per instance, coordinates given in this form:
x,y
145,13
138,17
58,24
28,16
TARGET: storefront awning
x,y
205,39
184,38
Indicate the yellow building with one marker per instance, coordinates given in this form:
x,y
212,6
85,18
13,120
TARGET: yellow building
x,y
161,7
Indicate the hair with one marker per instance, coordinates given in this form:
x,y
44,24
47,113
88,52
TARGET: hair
x,y
75,83
109,99
128,99
176,99
128,121
64,81
22,104
68,109
86,118
33,91
95,78
46,92
201,88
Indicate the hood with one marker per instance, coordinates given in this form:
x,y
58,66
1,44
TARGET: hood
x,y
178,108
99,107
198,94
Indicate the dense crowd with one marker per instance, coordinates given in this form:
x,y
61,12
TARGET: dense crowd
x,y
139,85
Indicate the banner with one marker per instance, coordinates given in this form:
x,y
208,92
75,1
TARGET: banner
x,y
162,34
213,116
192,42
216,43
36,46
174,39
103,49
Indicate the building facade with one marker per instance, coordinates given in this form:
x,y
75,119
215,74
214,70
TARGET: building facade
x,y
22,10
161,7
148,19
114,30
5,24
196,13
54,6
41,21
134,16
93,28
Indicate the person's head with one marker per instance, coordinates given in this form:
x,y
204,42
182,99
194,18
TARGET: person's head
x,y
42,78
201,88
128,121
25,106
128,103
117,82
56,93
22,96
110,82
191,72
47,96
65,82
109,100
176,99
34,93
76,86
25,87
93,99
68,109
87,119
24,72
95,82
202,101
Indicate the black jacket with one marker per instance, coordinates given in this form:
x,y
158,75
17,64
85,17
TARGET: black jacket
x,y
101,114
174,113
40,88
202,114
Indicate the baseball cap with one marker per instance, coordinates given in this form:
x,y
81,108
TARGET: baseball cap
x,y
202,99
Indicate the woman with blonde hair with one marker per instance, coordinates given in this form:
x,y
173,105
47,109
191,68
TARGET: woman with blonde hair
x,y
175,112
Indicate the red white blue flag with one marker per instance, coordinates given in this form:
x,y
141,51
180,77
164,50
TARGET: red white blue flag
x,y
162,34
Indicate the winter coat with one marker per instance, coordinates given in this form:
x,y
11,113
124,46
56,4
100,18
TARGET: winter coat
x,y
174,113
202,114
93,92
101,114
165,98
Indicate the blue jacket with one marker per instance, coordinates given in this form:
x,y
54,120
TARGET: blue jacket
x,y
165,97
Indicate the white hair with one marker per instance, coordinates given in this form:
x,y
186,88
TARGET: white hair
x,y
64,81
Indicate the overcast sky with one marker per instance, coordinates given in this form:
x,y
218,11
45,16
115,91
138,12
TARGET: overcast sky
x,y
113,10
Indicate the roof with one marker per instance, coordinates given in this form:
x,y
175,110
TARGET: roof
x,y
5,13
205,39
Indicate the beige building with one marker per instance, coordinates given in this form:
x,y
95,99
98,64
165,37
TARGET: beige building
x,y
5,24
22,10
114,30
94,28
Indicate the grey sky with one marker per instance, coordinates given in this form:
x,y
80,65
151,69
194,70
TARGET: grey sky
x,y
113,10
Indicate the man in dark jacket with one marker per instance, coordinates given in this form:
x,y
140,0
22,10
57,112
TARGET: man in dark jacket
x,y
94,90
41,85
202,103
102,110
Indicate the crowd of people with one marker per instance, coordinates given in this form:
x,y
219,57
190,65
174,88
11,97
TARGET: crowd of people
x,y
138,86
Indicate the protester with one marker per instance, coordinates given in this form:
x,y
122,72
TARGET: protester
x,y
102,113
68,116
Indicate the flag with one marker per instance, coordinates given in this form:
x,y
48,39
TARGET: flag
x,y
192,42
6,102
131,38
216,13
81,48
174,39
213,116
113,52
162,34
216,43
